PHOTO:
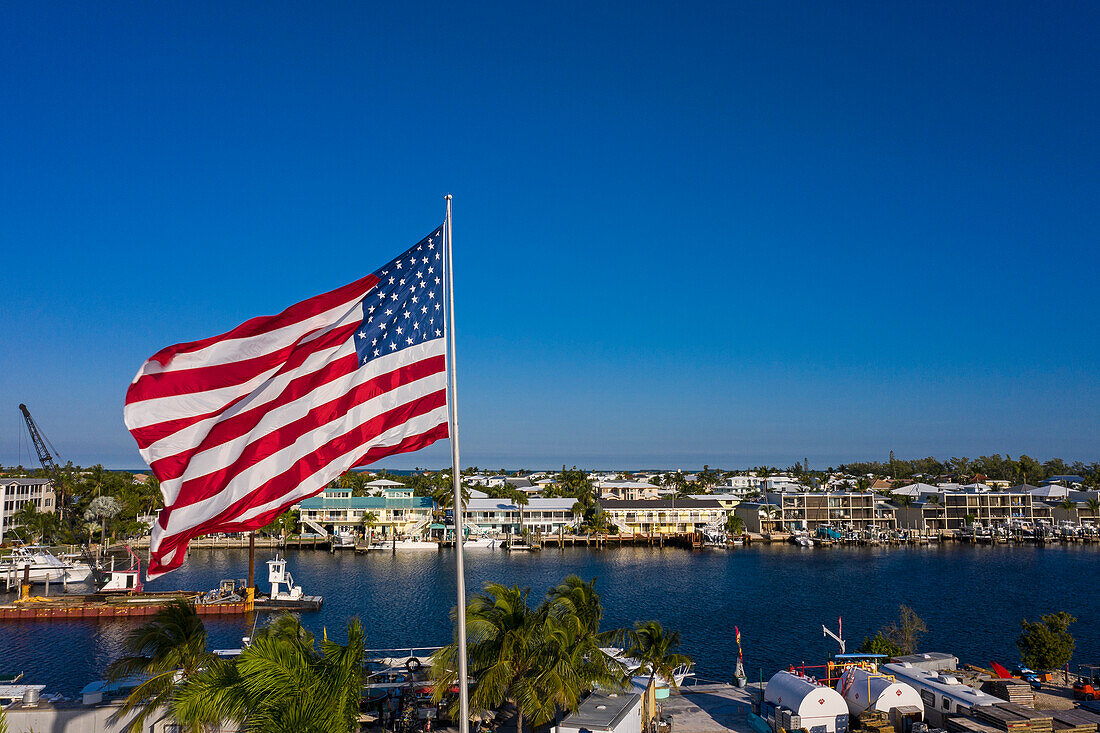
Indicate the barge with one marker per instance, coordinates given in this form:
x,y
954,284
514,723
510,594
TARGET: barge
x,y
123,597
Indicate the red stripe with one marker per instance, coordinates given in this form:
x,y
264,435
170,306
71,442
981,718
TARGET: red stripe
x,y
263,324
332,339
412,443
146,436
231,428
207,485
234,427
314,461
201,379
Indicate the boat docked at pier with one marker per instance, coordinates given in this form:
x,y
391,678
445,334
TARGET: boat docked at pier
x,y
639,673
39,566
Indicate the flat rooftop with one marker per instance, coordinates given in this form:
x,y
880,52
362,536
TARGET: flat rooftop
x,y
715,708
601,710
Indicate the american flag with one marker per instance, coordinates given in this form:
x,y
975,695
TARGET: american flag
x,y
240,426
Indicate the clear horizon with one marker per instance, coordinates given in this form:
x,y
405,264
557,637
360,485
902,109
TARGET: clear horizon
x,y
721,233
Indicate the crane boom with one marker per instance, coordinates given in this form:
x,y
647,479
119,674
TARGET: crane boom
x,y
42,446
49,465
47,456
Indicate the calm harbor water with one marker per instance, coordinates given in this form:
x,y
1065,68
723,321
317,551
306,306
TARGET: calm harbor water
x,y
972,599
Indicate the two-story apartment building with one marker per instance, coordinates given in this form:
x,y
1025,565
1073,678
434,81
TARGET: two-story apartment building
x,y
15,493
397,513
630,490
663,516
501,516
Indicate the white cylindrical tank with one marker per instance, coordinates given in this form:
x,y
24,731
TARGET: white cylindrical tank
x,y
815,704
863,689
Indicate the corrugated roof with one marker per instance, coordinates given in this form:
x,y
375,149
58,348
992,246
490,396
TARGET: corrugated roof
x,y
660,504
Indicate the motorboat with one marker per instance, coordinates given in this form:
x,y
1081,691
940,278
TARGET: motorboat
x,y
44,566
802,540
415,544
344,541
480,543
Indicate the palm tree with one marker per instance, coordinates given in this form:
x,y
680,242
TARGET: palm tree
x,y
771,510
369,520
521,500
280,683
1094,506
575,598
654,647
169,651
570,664
502,652
735,525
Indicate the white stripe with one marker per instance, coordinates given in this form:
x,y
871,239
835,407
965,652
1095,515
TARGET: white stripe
x,y
155,410
199,513
224,454
234,349
321,478
246,481
187,438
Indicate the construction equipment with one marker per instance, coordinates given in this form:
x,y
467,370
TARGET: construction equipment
x,y
43,447
1087,686
46,453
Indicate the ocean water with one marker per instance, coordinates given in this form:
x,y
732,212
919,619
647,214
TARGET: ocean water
x,y
971,597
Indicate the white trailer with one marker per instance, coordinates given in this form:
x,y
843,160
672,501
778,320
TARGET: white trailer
x,y
943,695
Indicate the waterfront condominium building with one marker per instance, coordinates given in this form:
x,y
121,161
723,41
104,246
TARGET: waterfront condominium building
x,y
15,493
398,513
806,511
634,490
938,511
501,516
663,516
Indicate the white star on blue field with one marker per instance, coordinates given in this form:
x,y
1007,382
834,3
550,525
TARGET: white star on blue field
x,y
407,306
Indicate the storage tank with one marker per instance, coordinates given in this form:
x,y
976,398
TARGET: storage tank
x,y
792,701
863,689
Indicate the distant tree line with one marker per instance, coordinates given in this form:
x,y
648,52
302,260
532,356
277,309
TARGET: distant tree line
x,y
1023,469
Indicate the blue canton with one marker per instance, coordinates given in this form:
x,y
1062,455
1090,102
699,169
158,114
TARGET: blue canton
x,y
406,307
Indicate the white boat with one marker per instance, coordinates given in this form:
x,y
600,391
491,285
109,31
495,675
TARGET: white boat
x,y
43,565
480,543
801,539
415,544
344,541
639,674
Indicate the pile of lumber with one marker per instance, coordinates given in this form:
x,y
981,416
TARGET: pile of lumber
x,y
1075,721
1013,690
962,724
1014,718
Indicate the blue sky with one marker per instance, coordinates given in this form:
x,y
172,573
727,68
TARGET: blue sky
x,y
725,233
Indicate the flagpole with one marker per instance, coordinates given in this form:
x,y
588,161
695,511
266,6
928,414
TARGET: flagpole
x,y
456,480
